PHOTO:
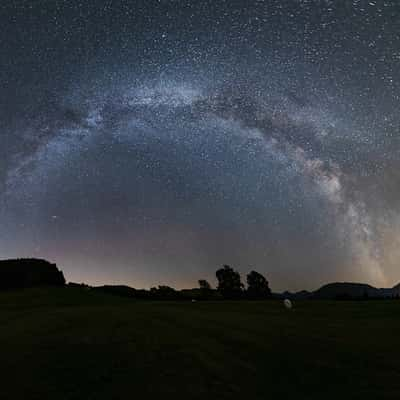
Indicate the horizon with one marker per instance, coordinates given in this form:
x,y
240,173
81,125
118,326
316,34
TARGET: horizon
x,y
156,141
212,281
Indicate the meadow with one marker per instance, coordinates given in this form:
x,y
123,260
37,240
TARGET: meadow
x,y
70,343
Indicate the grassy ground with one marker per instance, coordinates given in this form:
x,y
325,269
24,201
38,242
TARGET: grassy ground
x,y
75,344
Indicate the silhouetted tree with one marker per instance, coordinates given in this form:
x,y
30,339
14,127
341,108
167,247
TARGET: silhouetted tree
x,y
257,286
229,284
29,272
164,292
205,289
204,285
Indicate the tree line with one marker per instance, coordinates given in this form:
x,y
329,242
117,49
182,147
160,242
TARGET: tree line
x,y
229,286
23,273
29,272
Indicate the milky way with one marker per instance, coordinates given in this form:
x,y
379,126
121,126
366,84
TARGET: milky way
x,y
152,142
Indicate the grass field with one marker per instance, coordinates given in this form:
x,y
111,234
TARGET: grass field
x,y
76,344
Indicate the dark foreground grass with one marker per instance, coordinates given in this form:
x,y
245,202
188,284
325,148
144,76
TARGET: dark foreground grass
x,y
76,344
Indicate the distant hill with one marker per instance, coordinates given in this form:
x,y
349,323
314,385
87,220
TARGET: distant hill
x,y
29,272
344,290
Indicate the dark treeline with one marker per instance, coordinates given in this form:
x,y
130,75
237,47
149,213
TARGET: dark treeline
x,y
229,287
29,272
26,273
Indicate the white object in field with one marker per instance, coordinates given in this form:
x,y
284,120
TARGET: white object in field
x,y
194,301
287,303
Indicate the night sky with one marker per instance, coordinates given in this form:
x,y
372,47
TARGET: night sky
x,y
149,142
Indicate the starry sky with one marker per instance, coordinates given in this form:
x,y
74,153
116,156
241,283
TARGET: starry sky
x,y
149,142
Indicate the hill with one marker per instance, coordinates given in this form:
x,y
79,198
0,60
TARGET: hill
x,y
344,290
29,272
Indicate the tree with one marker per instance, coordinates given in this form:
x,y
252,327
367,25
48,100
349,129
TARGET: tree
x,y
29,272
164,292
257,286
204,285
229,284
205,289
